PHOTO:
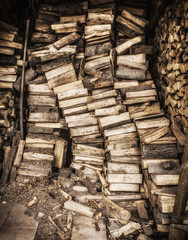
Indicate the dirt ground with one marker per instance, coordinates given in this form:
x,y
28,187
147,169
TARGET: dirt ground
x,y
44,200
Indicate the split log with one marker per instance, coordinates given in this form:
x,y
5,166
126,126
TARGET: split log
x,y
81,131
75,110
60,152
79,208
139,100
125,178
128,128
75,93
86,182
129,43
7,51
15,45
7,36
116,168
39,37
68,86
129,73
125,230
98,49
134,19
101,103
114,121
124,187
19,153
65,27
73,19
37,100
115,211
70,38
109,111
151,123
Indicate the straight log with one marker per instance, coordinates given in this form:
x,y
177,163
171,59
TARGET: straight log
x,y
129,43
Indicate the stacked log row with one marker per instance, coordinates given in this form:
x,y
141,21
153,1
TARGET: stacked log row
x,y
10,62
172,66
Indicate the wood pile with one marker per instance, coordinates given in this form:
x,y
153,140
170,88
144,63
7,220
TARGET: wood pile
x,y
172,66
10,62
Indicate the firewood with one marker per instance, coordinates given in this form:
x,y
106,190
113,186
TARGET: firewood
x,y
10,44
43,115
128,128
70,38
71,19
127,187
80,92
115,211
19,153
101,103
39,88
38,100
40,138
122,168
68,86
132,18
98,49
65,27
79,208
129,73
8,26
125,178
43,37
63,74
35,156
109,111
75,110
81,131
60,153
125,46
7,36
7,51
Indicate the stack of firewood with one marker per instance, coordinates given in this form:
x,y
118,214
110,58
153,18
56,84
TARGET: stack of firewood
x,y
9,68
171,44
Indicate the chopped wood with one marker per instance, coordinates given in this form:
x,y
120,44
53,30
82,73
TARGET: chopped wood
x,y
79,208
123,47
70,38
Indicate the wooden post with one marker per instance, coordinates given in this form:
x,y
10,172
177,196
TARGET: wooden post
x,y
23,82
181,198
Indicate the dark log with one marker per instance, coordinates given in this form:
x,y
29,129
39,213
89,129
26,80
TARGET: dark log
x,y
8,60
10,159
98,49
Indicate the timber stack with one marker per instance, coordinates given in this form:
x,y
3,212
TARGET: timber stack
x,y
10,63
172,66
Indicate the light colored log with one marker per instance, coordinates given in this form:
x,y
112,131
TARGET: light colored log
x,y
151,123
80,92
68,39
73,19
124,187
116,211
134,19
64,104
155,134
130,73
97,28
129,43
39,88
139,100
139,94
75,110
7,51
128,128
7,36
109,111
126,84
81,131
37,156
164,180
8,70
37,100
8,78
68,86
101,103
60,152
122,168
15,45
19,154
79,208
114,121
124,178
